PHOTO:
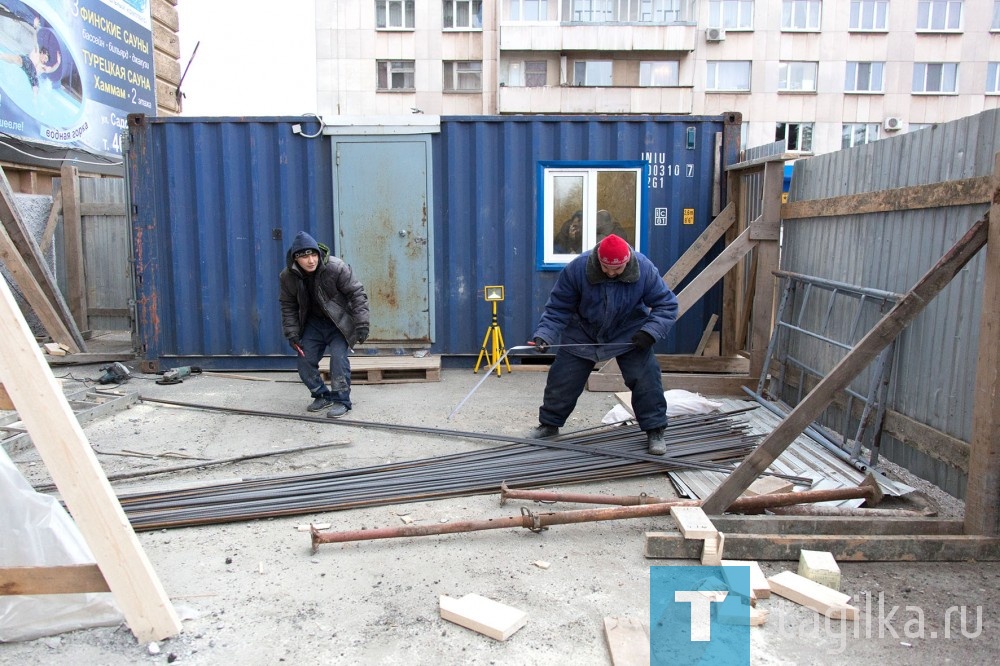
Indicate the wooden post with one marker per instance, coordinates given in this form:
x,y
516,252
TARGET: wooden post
x,y
863,353
982,494
766,232
76,279
74,468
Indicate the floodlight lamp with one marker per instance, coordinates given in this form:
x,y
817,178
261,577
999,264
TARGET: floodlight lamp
x,y
493,293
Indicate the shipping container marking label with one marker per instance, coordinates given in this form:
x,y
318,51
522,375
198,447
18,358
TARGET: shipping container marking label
x,y
660,217
689,216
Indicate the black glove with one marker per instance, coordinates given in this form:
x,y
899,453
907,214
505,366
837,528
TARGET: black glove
x,y
362,332
293,342
540,345
643,340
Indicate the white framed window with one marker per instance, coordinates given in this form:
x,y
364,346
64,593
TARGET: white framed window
x,y
995,25
939,15
582,204
463,76
797,76
394,75
528,10
869,15
394,14
536,73
592,11
730,14
654,73
935,77
592,73
801,14
727,76
864,77
993,78
798,137
463,15
856,134
661,11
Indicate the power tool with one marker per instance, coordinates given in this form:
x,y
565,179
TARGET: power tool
x,y
177,375
116,373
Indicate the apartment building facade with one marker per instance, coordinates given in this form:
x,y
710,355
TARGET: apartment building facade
x,y
820,74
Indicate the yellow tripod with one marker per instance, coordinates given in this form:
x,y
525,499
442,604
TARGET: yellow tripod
x,y
493,348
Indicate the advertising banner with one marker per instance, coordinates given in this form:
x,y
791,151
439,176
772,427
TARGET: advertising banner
x,y
72,70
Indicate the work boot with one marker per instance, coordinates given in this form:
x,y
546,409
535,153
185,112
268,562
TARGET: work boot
x,y
320,403
543,431
338,410
656,442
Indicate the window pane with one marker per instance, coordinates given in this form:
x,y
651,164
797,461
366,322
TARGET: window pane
x,y
536,72
567,210
616,204
658,73
992,80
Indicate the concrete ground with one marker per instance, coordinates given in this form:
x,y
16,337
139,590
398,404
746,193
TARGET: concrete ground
x,y
254,593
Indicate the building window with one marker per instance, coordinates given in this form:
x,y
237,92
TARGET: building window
x,y
797,76
800,14
528,10
798,137
935,77
463,75
536,73
864,77
395,75
869,14
995,25
730,14
993,78
592,73
463,14
939,15
728,76
856,134
582,205
658,73
394,14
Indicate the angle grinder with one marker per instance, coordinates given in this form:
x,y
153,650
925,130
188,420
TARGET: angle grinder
x,y
177,375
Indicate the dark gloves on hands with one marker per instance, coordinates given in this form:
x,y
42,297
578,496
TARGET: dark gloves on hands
x,y
540,345
643,340
362,332
293,342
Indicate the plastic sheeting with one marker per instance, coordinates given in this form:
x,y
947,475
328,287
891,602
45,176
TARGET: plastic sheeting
x,y
36,531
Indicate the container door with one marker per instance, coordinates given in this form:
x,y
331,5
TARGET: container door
x,y
382,191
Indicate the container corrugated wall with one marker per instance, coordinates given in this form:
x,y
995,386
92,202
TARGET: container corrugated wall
x,y
216,201
936,354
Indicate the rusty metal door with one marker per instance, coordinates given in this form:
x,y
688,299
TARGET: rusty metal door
x,y
382,190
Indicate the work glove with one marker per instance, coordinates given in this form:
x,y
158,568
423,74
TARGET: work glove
x,y
362,333
540,345
643,340
293,342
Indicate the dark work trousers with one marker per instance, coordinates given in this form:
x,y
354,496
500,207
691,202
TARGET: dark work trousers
x,y
568,377
318,334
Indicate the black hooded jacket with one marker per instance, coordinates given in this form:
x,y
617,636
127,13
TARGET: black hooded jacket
x,y
338,293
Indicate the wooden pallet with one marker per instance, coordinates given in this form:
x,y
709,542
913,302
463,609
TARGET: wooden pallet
x,y
389,369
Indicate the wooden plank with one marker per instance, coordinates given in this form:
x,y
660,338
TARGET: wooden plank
x,y
763,524
700,247
50,224
102,208
693,523
708,385
735,365
68,579
714,272
628,641
359,362
821,567
863,353
936,195
845,547
766,485
758,581
763,304
76,278
5,401
706,335
711,550
823,600
77,474
490,618
982,494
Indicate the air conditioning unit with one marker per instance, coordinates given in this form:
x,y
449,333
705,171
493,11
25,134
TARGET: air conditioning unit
x,y
715,34
892,124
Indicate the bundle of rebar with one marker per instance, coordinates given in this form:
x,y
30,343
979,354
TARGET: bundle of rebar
x,y
702,442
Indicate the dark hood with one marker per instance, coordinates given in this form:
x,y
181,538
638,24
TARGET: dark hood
x,y
304,241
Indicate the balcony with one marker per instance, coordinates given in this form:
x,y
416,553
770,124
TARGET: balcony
x,y
581,99
597,37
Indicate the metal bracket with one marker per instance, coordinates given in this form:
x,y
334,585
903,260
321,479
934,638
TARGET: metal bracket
x,y
536,520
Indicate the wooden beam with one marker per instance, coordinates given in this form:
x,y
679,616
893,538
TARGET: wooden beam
x,y
709,385
766,524
737,365
707,335
936,195
714,272
863,353
68,579
700,247
102,208
31,256
76,278
50,224
846,548
73,465
982,494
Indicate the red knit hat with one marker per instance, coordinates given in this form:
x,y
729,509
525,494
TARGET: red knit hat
x,y
613,251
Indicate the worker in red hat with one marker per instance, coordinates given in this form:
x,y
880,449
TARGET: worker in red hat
x,y
607,303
